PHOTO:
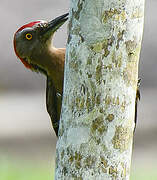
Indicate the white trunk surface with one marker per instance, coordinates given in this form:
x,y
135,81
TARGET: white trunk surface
x,y
101,72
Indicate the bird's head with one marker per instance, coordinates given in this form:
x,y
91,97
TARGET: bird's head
x,y
31,41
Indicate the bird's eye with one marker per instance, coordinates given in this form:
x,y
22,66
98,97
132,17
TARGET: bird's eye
x,y
28,36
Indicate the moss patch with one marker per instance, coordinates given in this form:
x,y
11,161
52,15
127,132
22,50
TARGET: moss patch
x,y
109,14
110,117
122,138
113,172
98,125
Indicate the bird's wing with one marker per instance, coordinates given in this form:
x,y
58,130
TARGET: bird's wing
x,y
53,104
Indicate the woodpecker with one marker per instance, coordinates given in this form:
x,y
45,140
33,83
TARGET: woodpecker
x,y
33,46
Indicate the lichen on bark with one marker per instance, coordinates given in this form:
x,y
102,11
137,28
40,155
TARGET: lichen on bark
x,y
101,73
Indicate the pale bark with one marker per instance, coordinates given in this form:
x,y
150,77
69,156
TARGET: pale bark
x,y
101,72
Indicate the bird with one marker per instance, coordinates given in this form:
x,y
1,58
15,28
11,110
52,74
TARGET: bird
x,y
33,46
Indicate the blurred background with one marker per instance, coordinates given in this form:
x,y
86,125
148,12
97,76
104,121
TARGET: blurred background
x,y
27,141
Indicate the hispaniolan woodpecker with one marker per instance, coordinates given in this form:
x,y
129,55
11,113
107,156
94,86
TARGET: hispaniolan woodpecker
x,y
33,46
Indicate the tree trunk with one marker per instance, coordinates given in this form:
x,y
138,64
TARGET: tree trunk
x,y
101,74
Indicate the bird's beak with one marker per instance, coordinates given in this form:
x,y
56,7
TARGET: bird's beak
x,y
55,24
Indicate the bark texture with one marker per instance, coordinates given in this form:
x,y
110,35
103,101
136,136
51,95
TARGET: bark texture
x,y
101,73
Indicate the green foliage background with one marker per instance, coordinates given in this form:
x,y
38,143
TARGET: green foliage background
x,y
24,171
